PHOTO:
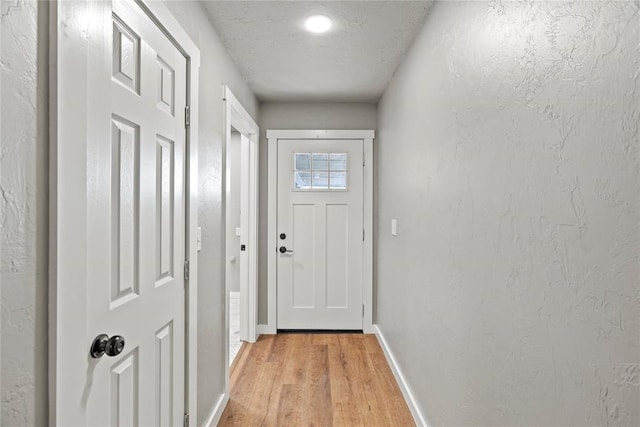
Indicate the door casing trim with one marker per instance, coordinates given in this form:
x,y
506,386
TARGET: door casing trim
x,y
273,136
70,43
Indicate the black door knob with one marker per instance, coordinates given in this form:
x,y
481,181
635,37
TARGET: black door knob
x,y
284,249
115,345
103,344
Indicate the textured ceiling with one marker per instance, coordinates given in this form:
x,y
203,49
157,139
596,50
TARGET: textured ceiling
x,y
283,62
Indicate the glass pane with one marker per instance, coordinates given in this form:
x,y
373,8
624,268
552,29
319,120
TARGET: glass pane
x,y
302,180
320,179
302,161
338,161
320,161
338,180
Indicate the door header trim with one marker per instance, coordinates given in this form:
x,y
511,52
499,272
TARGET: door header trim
x,y
275,134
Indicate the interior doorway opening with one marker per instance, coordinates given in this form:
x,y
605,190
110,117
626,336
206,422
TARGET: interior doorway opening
x,y
241,227
234,263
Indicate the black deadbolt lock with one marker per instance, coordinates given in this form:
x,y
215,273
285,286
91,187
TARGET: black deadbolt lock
x,y
243,247
283,236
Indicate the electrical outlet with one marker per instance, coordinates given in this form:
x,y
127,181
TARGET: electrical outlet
x,y
394,227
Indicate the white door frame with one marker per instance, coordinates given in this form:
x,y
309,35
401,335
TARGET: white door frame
x,y
273,136
235,116
75,36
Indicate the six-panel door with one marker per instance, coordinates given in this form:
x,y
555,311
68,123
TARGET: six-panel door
x,y
136,187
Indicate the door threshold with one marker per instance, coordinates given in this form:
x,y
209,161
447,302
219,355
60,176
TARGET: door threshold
x,y
319,331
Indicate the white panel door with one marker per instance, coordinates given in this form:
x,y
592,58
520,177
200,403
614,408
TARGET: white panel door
x,y
136,225
320,234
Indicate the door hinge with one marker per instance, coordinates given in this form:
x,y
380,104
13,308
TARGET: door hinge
x,y
362,310
185,422
363,235
186,269
187,116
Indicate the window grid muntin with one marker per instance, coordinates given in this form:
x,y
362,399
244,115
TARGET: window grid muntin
x,y
318,165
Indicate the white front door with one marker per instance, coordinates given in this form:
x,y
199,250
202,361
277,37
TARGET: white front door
x,y
320,234
136,227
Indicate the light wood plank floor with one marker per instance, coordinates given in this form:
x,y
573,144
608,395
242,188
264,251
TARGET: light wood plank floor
x,y
314,379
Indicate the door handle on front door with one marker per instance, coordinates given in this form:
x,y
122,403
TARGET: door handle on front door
x,y
103,344
284,250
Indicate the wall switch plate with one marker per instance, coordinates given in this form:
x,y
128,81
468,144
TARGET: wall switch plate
x,y
198,238
238,231
394,227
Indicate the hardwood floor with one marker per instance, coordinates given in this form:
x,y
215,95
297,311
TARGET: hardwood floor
x,y
314,379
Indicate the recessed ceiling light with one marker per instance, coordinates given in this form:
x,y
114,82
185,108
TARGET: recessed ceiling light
x,y
318,24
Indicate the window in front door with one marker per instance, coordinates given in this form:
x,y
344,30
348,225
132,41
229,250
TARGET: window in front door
x,y
320,171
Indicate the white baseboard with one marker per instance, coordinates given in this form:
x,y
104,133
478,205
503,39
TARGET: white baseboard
x,y
266,330
216,411
416,412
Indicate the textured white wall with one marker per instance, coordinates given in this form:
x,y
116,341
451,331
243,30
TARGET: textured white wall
x,y
24,212
216,69
298,115
508,152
